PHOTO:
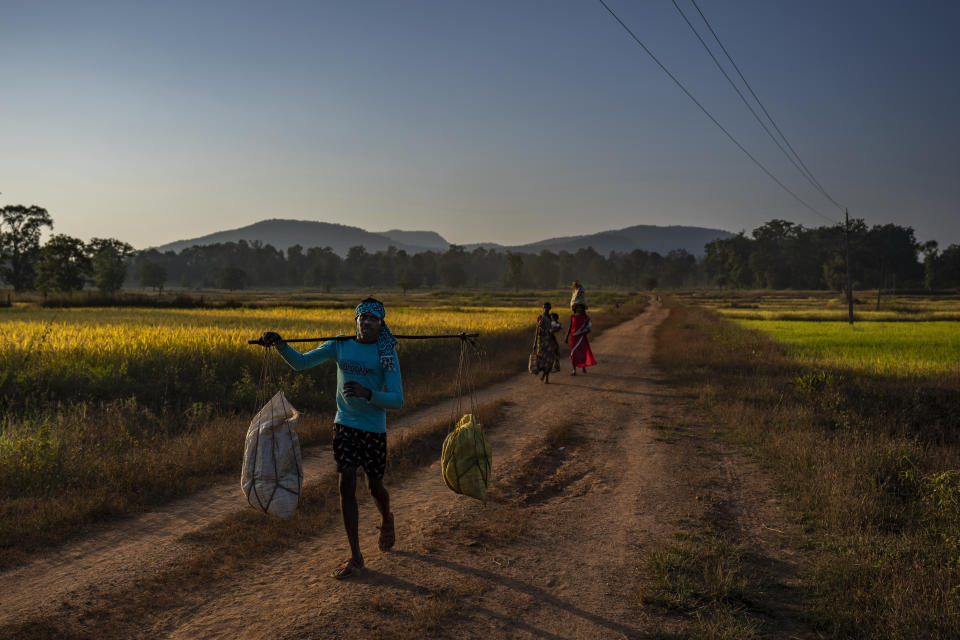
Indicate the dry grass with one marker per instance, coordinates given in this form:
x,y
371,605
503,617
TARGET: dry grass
x,y
236,543
870,462
697,571
561,432
107,469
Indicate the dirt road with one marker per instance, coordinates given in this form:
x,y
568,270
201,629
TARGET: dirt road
x,y
557,551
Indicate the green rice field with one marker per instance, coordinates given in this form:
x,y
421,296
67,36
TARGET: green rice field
x,y
898,348
915,336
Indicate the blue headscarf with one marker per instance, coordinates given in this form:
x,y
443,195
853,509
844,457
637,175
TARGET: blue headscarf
x,y
386,343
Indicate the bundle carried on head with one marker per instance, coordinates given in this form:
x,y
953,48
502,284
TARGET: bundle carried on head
x,y
578,297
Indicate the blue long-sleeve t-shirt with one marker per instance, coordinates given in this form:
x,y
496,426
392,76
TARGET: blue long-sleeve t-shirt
x,y
360,363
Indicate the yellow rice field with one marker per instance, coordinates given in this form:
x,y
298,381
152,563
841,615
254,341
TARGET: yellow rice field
x,y
171,355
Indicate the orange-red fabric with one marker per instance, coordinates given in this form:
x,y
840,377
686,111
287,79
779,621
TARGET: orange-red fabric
x,y
580,353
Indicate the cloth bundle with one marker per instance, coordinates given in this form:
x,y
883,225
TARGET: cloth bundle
x,y
272,474
578,297
466,459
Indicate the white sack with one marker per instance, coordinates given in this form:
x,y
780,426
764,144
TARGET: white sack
x,y
272,472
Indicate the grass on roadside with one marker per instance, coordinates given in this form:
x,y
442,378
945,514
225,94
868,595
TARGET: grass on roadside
x,y
700,576
872,462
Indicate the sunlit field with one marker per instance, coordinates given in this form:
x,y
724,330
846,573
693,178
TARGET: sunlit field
x,y
176,357
826,306
108,410
910,335
886,348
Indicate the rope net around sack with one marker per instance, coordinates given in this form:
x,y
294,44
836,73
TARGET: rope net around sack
x,y
466,458
272,474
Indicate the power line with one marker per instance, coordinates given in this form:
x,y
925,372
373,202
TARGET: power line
x,y
708,114
805,174
809,173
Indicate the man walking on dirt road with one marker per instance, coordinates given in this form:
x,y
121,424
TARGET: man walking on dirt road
x,y
368,383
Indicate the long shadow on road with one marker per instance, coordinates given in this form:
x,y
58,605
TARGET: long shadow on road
x,y
671,396
510,583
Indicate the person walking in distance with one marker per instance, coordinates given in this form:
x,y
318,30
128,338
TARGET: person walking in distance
x,y
580,353
546,349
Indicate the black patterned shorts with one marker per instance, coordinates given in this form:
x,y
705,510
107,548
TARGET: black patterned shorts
x,y
358,448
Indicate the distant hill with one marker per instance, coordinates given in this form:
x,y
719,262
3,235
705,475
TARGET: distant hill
x,y
429,239
644,236
307,233
283,234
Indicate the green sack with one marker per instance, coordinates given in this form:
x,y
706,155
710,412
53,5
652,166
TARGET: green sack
x,y
466,458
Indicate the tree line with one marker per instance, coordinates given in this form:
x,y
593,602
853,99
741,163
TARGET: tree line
x,y
776,255
264,266
63,263
784,255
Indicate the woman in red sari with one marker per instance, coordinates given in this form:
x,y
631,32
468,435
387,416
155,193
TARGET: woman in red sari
x,y
580,353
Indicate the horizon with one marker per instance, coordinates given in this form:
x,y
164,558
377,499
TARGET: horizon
x,y
484,242
494,123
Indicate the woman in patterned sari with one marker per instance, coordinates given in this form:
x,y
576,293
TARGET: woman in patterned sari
x,y
546,349
580,353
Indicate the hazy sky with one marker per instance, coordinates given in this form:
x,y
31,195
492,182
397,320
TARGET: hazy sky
x,y
505,121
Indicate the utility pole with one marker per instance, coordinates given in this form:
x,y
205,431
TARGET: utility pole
x,y
849,283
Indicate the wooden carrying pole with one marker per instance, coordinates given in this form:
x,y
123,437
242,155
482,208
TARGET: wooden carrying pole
x,y
462,336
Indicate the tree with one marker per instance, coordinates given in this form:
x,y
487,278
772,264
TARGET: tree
x,y
63,264
232,277
943,268
514,273
727,261
324,267
545,269
591,266
20,229
892,253
353,264
678,266
567,267
773,253
425,265
153,274
452,271
296,265
950,266
108,257
931,255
